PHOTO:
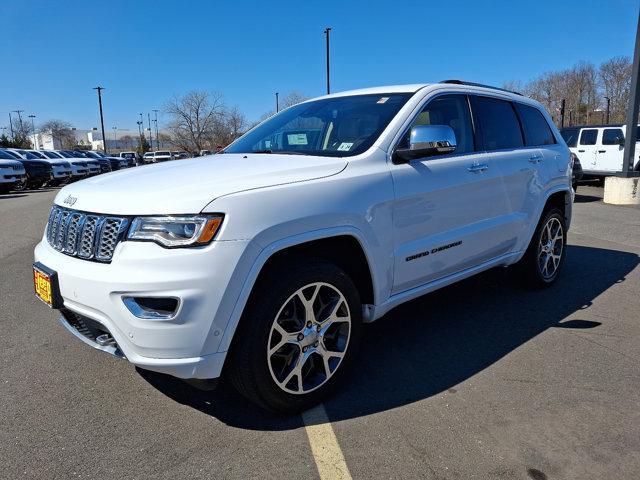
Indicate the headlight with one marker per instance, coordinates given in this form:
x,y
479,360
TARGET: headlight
x,y
176,231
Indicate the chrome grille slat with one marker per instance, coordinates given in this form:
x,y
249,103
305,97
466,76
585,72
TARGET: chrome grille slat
x,y
85,235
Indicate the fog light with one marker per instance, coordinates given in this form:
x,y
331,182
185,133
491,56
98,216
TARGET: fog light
x,y
155,308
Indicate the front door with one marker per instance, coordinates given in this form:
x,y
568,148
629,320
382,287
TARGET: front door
x,y
447,208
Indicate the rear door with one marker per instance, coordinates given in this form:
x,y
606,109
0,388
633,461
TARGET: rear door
x,y
587,148
609,150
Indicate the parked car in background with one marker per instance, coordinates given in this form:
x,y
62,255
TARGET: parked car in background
x,y
61,168
577,171
116,163
92,167
38,172
132,157
181,155
599,148
103,163
159,156
77,171
12,173
265,267
202,153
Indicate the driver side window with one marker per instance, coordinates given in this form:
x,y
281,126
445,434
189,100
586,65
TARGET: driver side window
x,y
449,110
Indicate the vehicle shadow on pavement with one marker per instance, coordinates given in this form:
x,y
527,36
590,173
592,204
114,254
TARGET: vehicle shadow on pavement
x,y
431,344
586,198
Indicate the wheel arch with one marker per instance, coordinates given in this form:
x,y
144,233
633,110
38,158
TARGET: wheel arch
x,y
345,244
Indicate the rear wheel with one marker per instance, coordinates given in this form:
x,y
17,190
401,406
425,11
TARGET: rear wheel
x,y
544,257
298,336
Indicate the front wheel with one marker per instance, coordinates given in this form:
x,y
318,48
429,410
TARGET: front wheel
x,y
298,336
544,257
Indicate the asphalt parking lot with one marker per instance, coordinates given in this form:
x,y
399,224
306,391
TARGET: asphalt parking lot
x,y
483,380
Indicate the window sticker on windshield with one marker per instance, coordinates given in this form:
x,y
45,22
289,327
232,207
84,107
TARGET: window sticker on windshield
x,y
297,139
383,100
345,146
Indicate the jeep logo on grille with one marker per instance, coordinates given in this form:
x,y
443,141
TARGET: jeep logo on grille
x,y
70,200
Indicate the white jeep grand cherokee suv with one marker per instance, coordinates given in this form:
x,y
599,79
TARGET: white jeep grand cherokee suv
x,y
264,261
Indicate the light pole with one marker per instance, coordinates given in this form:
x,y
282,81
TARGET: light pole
x,y
608,99
115,137
140,132
277,103
104,138
326,32
150,137
156,122
33,129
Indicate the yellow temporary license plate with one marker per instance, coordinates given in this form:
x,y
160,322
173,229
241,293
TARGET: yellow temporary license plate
x,y
43,285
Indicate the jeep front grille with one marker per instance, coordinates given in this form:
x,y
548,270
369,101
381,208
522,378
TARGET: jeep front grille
x,y
85,235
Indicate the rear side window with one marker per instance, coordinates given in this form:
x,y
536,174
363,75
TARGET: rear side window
x,y
536,129
612,136
497,123
588,137
570,136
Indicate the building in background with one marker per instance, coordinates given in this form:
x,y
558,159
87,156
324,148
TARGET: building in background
x,y
117,140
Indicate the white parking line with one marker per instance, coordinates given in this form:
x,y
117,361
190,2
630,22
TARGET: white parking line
x,y
324,445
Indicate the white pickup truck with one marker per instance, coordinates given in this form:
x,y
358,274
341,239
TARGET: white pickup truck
x,y
264,261
599,148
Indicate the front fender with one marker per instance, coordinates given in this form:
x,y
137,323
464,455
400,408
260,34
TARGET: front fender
x,y
269,250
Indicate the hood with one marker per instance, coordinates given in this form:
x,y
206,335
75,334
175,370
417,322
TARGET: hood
x,y
187,186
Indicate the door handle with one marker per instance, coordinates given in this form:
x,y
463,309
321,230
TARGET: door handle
x,y
478,167
602,151
581,151
535,158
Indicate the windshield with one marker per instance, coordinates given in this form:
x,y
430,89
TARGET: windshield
x,y
39,154
12,155
52,155
570,136
337,127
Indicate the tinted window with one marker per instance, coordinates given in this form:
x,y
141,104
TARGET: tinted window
x,y
451,110
496,123
536,129
612,136
588,137
570,136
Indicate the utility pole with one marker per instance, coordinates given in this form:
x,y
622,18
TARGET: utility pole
x,y
104,138
632,112
150,134
608,99
277,103
562,105
33,129
19,118
11,125
156,122
115,137
326,32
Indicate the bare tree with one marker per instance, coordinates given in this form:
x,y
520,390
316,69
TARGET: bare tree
x,y
288,100
194,119
615,80
60,131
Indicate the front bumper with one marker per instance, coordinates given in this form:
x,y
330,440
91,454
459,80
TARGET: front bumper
x,y
185,346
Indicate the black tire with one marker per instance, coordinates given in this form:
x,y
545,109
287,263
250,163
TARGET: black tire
x,y
249,367
575,186
530,267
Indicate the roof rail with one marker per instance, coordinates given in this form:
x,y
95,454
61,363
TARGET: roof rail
x,y
472,84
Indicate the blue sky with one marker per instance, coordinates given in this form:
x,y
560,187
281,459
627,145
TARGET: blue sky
x,y
143,52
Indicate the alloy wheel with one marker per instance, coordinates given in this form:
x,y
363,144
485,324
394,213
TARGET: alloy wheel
x,y
550,248
309,338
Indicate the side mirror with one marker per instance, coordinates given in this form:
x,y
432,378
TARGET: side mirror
x,y
427,140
